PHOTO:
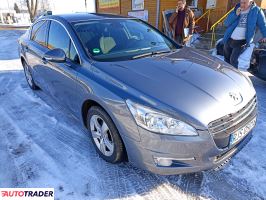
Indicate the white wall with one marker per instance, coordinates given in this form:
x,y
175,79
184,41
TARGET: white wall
x,y
5,3
70,6
58,6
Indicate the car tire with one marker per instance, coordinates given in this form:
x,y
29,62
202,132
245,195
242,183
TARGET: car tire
x,y
105,135
28,75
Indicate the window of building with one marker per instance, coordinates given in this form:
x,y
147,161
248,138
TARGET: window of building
x,y
137,4
192,3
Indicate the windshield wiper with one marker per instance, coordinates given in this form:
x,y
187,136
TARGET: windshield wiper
x,y
150,54
142,55
161,52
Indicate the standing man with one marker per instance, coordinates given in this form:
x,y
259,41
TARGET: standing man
x,y
182,23
241,26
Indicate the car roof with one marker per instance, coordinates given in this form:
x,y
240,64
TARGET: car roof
x,y
76,17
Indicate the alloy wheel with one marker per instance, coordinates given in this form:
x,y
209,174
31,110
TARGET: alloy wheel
x,y
28,75
102,135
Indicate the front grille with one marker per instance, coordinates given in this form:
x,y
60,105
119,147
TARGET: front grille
x,y
223,127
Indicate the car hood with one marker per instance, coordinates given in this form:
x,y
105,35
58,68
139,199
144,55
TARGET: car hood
x,y
188,81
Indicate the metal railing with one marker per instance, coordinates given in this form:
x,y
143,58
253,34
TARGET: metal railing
x,y
208,12
216,23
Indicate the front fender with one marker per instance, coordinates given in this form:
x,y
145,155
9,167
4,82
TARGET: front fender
x,y
90,89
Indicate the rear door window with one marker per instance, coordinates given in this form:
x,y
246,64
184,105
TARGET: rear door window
x,y
35,27
39,32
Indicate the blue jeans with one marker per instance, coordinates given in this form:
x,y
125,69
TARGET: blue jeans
x,y
232,50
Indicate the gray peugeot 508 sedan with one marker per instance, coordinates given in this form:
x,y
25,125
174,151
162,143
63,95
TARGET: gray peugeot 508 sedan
x,y
142,98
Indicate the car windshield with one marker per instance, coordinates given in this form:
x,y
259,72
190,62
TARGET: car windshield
x,y
121,39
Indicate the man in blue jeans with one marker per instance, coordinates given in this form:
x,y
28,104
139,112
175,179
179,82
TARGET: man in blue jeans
x,y
241,26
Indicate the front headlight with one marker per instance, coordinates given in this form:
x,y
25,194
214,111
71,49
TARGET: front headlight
x,y
154,121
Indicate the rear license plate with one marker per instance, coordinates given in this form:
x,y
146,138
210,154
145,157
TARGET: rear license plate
x,y
241,133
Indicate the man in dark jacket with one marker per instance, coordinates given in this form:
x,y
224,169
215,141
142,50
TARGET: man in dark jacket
x,y
241,26
182,23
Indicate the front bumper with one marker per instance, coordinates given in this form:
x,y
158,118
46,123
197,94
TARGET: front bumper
x,y
188,154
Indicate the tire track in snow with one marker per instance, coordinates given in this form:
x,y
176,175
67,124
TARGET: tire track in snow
x,y
9,178
62,156
31,161
17,145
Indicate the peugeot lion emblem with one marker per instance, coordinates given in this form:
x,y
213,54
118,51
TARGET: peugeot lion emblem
x,y
236,98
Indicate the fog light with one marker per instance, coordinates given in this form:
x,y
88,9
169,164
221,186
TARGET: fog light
x,y
164,162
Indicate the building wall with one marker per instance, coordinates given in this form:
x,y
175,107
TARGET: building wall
x,y
77,6
151,6
171,4
222,8
111,10
219,11
125,7
261,3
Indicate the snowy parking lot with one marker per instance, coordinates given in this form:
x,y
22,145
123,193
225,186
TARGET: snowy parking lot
x,y
42,145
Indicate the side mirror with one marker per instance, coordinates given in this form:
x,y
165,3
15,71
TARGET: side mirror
x,y
55,55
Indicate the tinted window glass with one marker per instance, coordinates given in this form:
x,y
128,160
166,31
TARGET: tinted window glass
x,y
58,37
121,39
39,33
73,55
35,27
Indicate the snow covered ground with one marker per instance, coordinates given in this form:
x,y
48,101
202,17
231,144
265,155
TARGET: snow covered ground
x,y
42,145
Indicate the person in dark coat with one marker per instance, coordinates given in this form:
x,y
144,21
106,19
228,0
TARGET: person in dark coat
x,y
182,23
